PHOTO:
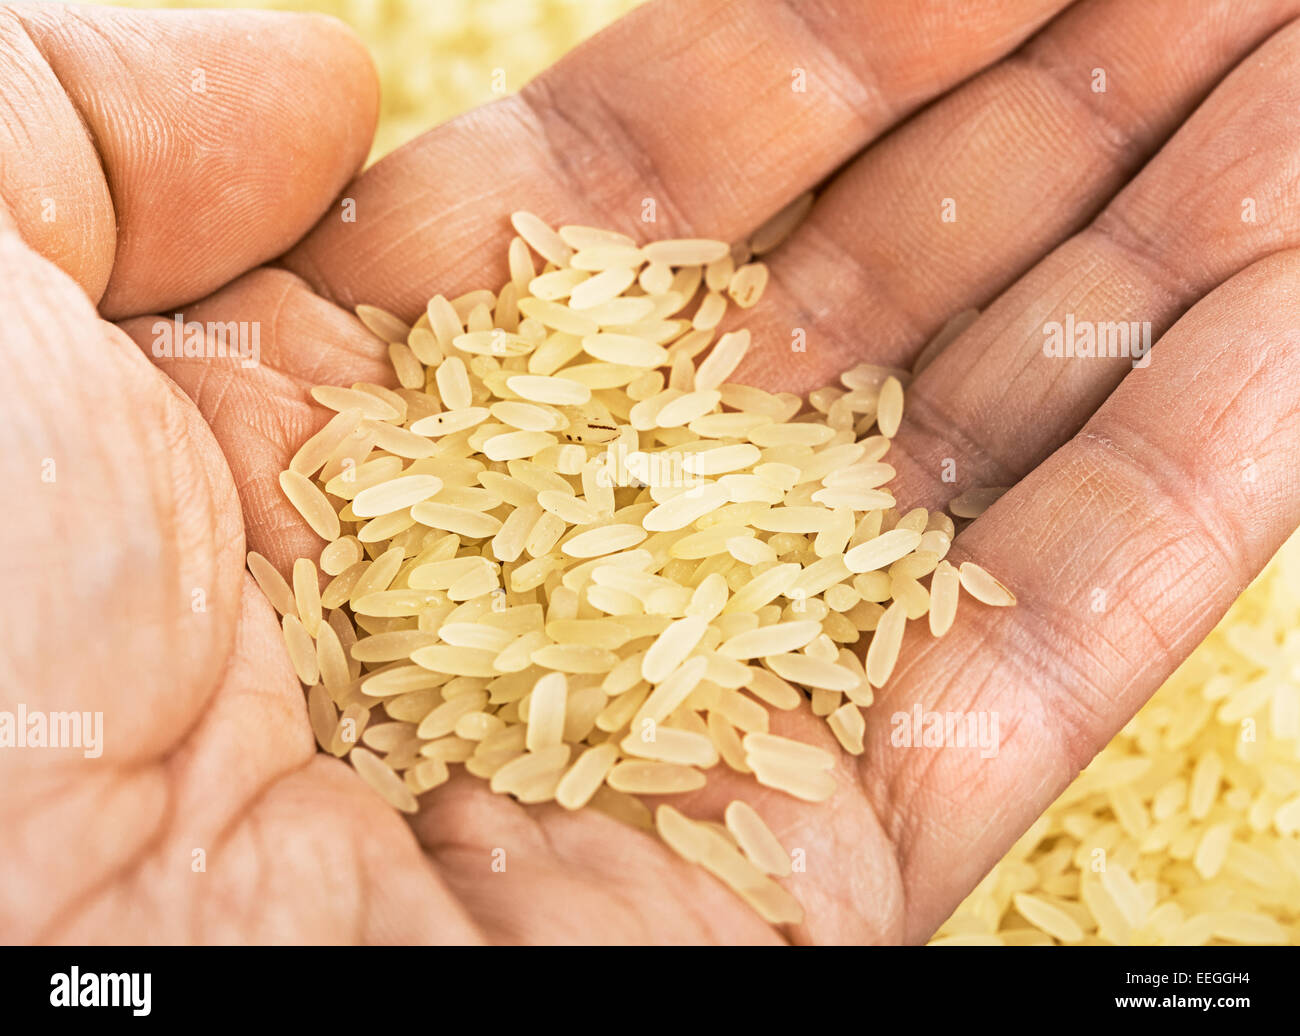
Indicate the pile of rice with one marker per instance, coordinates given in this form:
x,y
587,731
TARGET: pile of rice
x,y
567,554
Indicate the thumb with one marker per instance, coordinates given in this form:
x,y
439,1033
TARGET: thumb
x,y
154,156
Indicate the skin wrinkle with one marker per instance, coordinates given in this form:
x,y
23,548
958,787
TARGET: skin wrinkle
x,y
1044,789
1151,555
1171,647
531,826
90,27
913,324
1220,425
624,899
865,76
306,270
213,407
277,311
246,822
168,519
206,376
903,785
11,18
700,921
260,868
872,105
850,910
293,302
129,865
832,254
458,889
919,832
280,421
940,431
1118,234
399,230
1072,694
1070,706
131,372
1121,136
96,150
925,817
1129,236
549,115
306,756
883,792
1152,465
459,886
363,891
13,122
884,876
545,837
547,106
619,895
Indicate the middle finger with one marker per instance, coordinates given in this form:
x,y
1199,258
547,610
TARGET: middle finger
x,y
1025,154
1218,197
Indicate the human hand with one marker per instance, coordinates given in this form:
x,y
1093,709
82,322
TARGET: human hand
x,y
206,742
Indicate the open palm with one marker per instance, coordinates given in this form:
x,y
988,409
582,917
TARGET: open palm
x,y
1140,510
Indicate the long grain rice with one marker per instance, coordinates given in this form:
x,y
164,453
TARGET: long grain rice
x,y
272,584
983,587
685,251
943,598
311,503
756,839
586,776
654,778
382,778
802,782
848,725
889,407
772,233
747,285
668,745
882,654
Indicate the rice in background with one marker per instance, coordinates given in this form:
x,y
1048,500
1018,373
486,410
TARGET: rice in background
x,y
1183,830
1186,828
438,58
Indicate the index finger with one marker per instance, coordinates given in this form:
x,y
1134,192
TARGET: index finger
x,y
686,118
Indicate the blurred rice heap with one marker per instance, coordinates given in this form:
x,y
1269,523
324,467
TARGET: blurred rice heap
x,y
1183,830
1186,828
437,58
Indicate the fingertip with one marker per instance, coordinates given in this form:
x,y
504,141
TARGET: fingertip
x,y
349,72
